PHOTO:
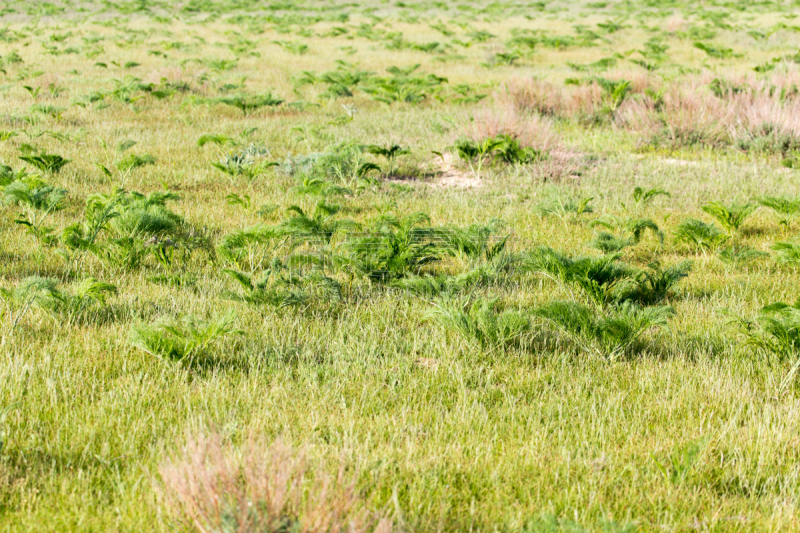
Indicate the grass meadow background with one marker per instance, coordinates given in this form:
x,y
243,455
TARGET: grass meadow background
x,y
224,313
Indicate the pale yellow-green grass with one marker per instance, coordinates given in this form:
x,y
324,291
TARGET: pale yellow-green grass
x,y
438,432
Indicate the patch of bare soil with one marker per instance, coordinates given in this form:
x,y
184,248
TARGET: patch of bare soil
x,y
450,176
428,362
679,162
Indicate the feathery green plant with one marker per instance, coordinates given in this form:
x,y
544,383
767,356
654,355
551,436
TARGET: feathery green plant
x,y
136,226
730,217
609,243
481,321
146,216
30,292
319,226
132,162
787,252
280,286
84,304
475,242
247,103
737,256
393,247
44,293
610,334
565,208
485,275
775,329
253,247
601,278
320,187
100,210
345,163
787,209
249,163
654,284
39,200
50,163
631,230
185,339
699,235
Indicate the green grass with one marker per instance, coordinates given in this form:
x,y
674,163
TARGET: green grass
x,y
313,150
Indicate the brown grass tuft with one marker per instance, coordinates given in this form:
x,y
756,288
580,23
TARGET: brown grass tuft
x,y
531,130
529,95
210,487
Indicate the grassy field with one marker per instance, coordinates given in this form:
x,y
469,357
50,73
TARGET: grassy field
x,y
399,266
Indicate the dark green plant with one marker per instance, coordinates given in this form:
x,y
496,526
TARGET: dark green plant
x,y
247,103
215,138
221,64
147,216
643,197
390,153
475,154
293,47
8,175
491,273
320,187
99,212
717,52
235,199
402,86
510,152
609,243
134,226
51,163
